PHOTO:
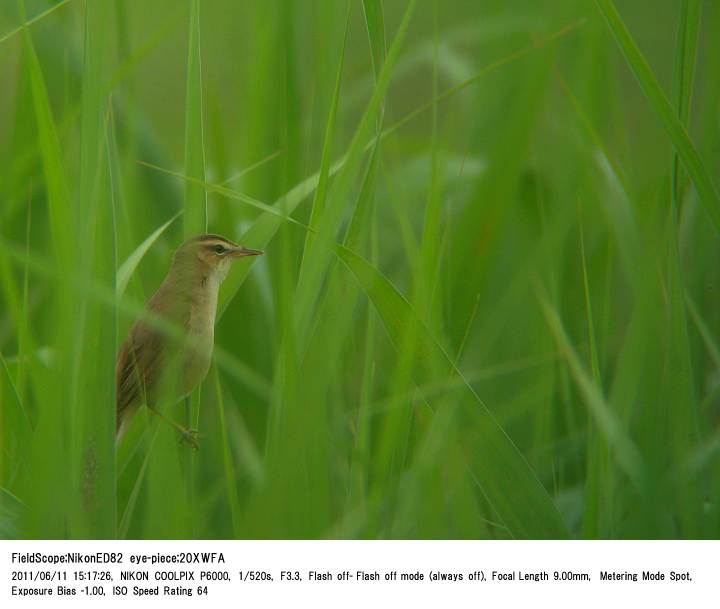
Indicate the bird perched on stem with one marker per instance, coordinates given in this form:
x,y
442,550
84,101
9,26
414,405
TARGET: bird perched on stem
x,y
160,365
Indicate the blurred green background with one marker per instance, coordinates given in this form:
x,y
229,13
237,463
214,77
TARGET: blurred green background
x,y
489,302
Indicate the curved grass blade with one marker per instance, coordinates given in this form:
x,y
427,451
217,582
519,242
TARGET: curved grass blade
x,y
500,469
226,192
128,267
264,229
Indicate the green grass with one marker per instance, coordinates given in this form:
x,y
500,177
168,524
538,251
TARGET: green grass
x,y
488,304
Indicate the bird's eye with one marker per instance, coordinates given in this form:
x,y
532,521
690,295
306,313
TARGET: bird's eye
x,y
219,249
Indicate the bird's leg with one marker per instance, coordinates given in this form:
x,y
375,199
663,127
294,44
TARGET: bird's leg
x,y
192,433
186,435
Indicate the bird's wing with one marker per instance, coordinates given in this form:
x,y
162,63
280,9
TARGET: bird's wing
x,y
147,350
138,367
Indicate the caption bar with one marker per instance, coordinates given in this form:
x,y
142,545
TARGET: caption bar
x,y
82,573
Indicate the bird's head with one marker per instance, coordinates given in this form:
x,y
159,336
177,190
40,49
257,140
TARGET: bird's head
x,y
211,255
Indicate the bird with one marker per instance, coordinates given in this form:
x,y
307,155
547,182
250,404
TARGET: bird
x,y
155,366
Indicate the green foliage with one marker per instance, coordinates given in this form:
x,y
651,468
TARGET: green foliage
x,y
486,306
518,498
195,218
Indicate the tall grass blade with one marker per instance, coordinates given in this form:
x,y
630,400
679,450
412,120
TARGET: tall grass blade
x,y
688,154
95,333
684,78
678,380
47,472
375,23
598,486
230,479
195,219
319,256
318,204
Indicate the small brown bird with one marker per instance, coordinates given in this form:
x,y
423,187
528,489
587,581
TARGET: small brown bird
x,y
156,367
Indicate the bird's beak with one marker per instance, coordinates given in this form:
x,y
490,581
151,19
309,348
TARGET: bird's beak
x,y
239,252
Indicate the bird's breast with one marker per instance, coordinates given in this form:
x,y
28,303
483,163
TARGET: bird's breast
x,y
201,331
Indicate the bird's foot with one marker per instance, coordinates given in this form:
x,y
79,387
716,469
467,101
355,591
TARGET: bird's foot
x,y
191,437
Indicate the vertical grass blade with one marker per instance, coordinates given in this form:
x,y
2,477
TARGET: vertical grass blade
x,y
318,204
95,334
679,137
430,244
230,479
684,78
195,218
307,290
49,144
598,487
375,23
47,472
678,382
